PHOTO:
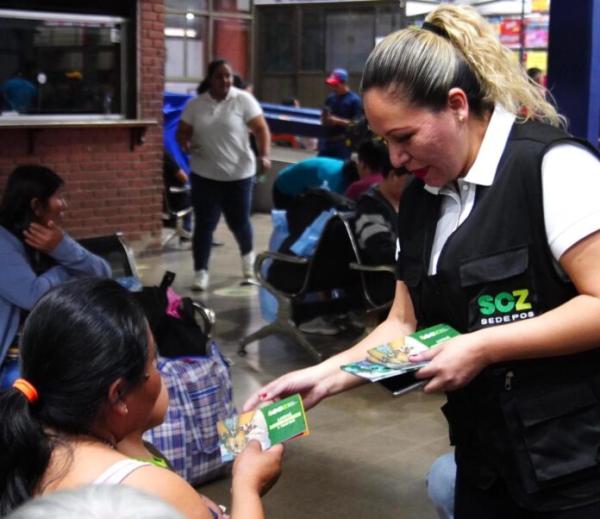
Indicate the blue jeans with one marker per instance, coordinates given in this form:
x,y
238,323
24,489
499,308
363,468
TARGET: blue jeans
x,y
210,198
441,482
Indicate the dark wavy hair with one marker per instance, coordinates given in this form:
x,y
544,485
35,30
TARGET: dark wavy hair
x,y
78,340
374,153
23,185
210,71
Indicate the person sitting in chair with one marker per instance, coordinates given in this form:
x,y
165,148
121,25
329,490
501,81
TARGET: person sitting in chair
x,y
373,163
35,253
374,227
89,380
174,176
375,219
324,172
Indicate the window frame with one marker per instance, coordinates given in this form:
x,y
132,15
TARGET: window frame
x,y
211,14
127,80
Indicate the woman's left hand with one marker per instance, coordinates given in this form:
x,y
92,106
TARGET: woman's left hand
x,y
454,363
44,238
265,163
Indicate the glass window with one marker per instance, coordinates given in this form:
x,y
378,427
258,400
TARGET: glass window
x,y
350,39
185,37
61,64
174,64
196,38
277,41
231,41
313,41
232,6
186,5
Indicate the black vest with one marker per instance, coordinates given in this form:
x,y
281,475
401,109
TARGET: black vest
x,y
535,423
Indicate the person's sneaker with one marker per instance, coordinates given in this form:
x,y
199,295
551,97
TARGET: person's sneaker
x,y
200,280
184,244
248,266
320,326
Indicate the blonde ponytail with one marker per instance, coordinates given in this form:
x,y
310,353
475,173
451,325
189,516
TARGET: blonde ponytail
x,y
423,65
503,80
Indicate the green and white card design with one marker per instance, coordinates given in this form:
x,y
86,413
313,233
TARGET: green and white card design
x,y
391,358
271,424
433,335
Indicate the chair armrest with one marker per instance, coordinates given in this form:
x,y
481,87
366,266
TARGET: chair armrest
x,y
373,268
389,269
183,212
207,315
179,189
278,256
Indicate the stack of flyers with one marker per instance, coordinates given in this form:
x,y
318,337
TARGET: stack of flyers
x,y
271,424
391,358
394,354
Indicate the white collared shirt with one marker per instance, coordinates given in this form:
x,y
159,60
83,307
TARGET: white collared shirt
x,y
570,185
220,145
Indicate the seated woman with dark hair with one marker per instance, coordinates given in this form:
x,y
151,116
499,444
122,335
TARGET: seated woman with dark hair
x,y
35,253
89,380
373,165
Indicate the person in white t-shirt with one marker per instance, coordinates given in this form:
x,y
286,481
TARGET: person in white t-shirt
x,y
214,130
499,237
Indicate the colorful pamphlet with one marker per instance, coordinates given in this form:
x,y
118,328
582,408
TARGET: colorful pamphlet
x,y
271,424
391,358
394,354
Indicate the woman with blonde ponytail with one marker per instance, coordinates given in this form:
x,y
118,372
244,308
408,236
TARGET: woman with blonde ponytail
x,y
499,238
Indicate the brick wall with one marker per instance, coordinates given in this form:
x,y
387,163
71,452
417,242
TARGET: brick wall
x,y
109,187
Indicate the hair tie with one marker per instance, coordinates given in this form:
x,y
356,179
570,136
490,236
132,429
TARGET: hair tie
x,y
27,389
436,29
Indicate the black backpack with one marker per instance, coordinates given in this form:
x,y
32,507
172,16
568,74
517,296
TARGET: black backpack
x,y
300,215
306,207
174,337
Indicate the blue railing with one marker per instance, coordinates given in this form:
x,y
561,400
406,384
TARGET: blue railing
x,y
305,122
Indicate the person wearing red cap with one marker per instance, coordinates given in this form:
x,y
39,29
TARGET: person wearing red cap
x,y
342,107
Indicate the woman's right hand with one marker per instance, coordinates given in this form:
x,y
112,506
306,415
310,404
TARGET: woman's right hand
x,y
44,238
309,382
257,470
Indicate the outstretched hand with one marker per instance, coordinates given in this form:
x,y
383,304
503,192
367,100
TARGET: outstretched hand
x,y
453,364
305,381
44,238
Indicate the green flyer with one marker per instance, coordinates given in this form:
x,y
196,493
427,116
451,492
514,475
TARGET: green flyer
x,y
270,424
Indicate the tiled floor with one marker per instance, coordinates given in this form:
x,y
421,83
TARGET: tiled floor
x,y
368,452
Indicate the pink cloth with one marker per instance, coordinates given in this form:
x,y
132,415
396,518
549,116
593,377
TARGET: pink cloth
x,y
173,303
360,186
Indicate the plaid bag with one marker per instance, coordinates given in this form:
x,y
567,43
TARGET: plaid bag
x,y
200,394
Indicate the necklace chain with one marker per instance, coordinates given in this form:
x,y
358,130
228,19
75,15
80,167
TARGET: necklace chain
x,y
104,441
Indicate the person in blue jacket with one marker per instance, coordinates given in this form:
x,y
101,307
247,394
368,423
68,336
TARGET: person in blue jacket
x,y
35,253
325,172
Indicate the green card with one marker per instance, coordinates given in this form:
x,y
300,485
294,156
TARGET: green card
x,y
285,419
271,424
433,335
